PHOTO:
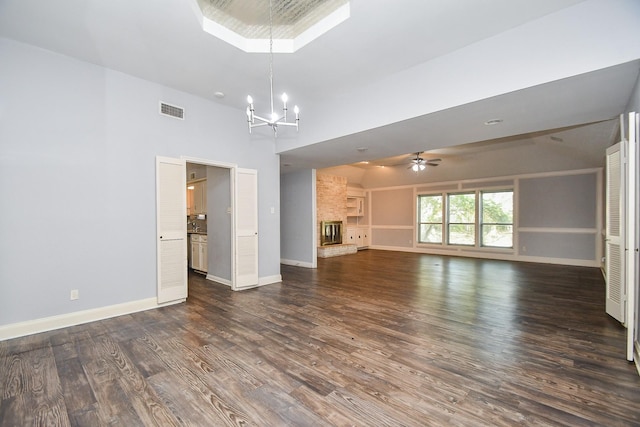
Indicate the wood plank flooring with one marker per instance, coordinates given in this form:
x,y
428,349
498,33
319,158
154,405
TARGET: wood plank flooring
x,y
373,339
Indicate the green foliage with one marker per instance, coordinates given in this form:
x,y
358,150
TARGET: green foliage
x,y
496,209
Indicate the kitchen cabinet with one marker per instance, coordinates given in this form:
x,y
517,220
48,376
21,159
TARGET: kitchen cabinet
x,y
199,261
358,236
197,197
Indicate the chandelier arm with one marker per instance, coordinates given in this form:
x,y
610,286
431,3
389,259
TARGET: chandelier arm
x,y
262,119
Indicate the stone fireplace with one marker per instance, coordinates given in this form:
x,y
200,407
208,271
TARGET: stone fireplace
x,y
330,233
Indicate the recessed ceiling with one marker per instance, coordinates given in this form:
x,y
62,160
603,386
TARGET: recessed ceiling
x,y
250,26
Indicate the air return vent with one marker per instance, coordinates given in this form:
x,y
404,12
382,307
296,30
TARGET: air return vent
x,y
171,111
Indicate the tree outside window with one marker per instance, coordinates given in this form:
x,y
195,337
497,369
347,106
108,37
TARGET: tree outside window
x,y
493,219
462,219
430,219
497,219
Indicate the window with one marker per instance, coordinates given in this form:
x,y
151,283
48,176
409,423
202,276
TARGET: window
x,y
497,219
478,218
430,219
461,219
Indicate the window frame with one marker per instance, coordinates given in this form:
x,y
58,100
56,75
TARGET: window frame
x,y
481,222
441,223
477,225
474,224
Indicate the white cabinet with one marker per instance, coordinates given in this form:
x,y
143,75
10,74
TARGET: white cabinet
x,y
197,197
358,236
355,206
199,252
363,238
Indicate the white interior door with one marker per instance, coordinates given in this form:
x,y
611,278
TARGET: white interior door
x,y
171,211
614,234
632,236
246,271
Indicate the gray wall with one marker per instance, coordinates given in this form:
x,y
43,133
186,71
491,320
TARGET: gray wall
x,y
297,206
556,218
78,144
219,225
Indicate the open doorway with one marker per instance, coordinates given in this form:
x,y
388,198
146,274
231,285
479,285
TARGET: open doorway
x,y
230,221
210,220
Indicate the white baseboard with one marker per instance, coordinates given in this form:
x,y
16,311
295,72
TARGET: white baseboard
x,y
296,263
45,324
268,280
219,280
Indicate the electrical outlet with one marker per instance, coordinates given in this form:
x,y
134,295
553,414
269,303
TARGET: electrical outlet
x,y
75,294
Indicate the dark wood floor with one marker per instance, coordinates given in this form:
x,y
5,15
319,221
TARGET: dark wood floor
x,y
378,338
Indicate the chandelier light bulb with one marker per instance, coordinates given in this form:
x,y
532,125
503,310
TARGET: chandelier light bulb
x,y
285,98
296,110
249,99
415,168
422,167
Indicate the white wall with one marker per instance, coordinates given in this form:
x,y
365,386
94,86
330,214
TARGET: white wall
x,y
589,36
77,180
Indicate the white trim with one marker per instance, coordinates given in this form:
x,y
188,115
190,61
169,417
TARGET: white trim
x,y
296,263
45,324
268,280
314,220
479,181
391,227
206,162
489,255
217,279
233,167
558,230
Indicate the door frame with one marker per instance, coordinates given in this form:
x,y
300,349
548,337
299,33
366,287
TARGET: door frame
x,y
232,167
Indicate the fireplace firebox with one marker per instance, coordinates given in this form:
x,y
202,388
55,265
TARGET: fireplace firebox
x,y
330,233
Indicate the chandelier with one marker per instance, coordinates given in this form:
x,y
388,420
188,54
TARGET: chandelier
x,y
274,120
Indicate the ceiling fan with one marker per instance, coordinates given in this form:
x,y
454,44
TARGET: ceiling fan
x,y
419,164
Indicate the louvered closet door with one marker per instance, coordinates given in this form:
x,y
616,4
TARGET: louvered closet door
x,y
246,229
614,232
171,211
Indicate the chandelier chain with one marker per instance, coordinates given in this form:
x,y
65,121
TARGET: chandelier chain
x,y
273,121
271,51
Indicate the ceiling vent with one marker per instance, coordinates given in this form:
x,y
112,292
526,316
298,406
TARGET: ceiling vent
x,y
171,111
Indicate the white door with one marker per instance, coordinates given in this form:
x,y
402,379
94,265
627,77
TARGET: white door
x,y
632,236
171,225
246,229
614,234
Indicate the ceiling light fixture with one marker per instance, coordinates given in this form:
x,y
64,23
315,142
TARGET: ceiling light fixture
x,y
420,164
274,121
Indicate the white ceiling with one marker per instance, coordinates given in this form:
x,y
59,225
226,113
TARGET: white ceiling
x,y
163,41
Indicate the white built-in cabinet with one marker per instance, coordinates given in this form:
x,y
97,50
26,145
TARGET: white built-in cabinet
x,y
355,206
358,236
199,252
356,233
197,197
